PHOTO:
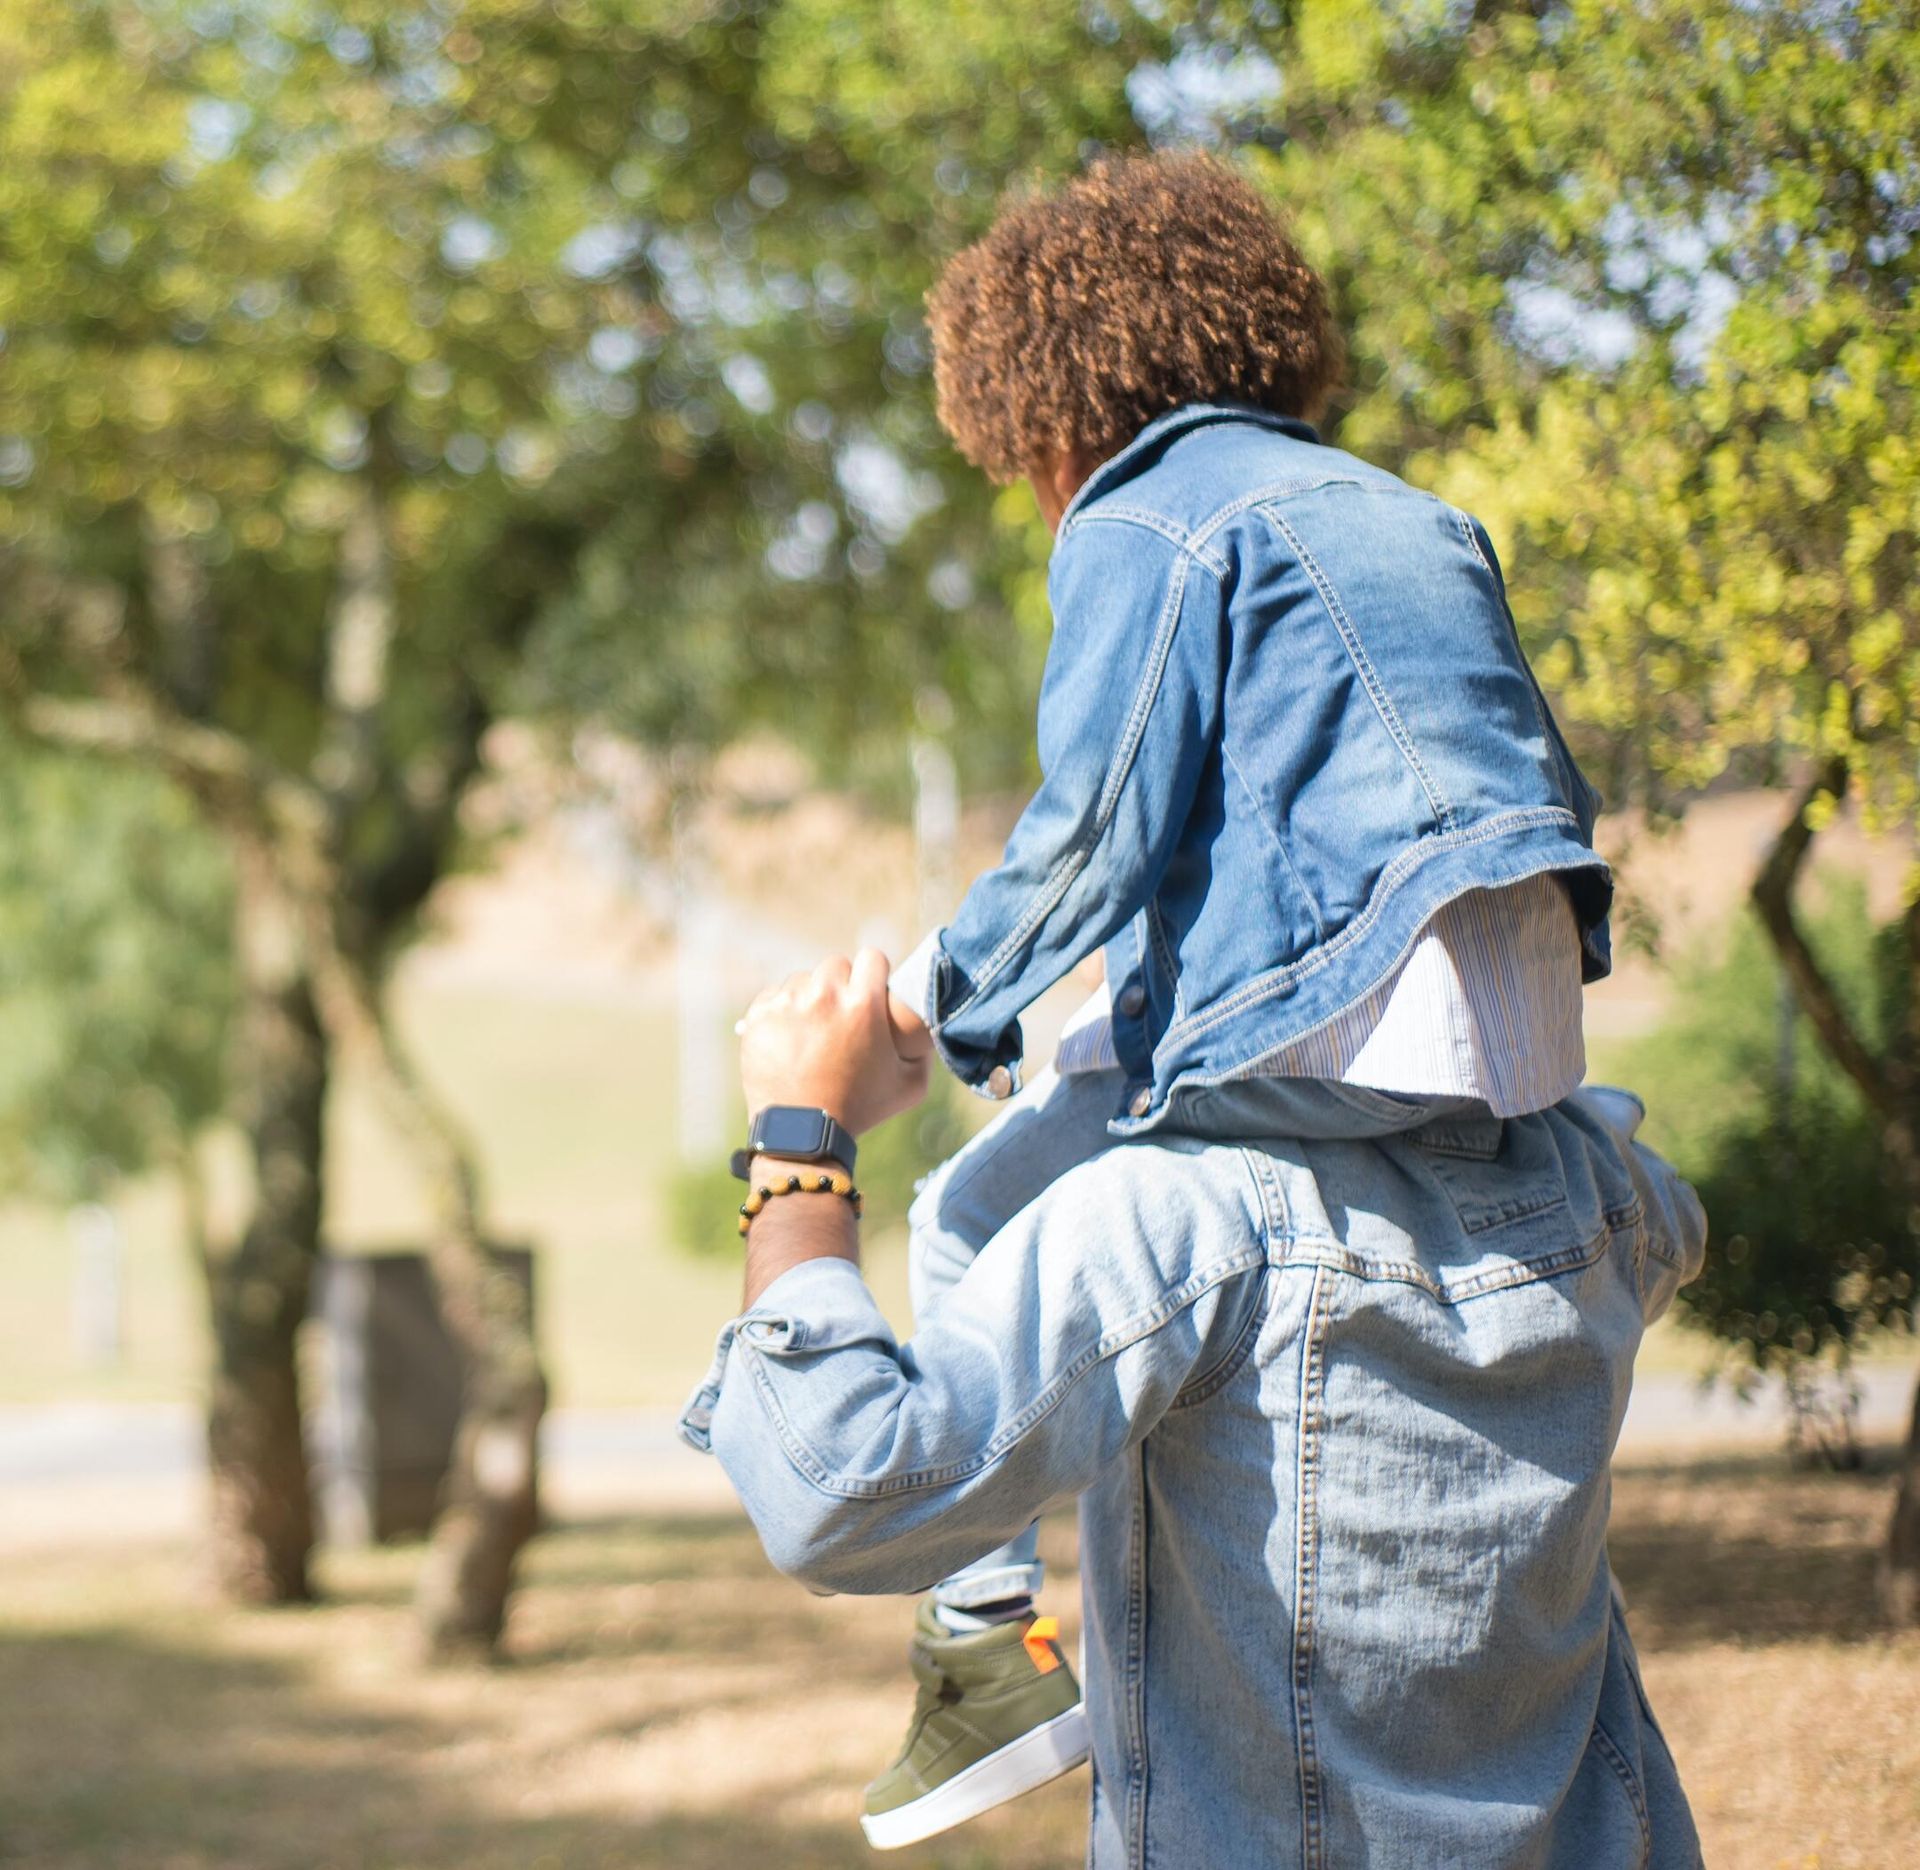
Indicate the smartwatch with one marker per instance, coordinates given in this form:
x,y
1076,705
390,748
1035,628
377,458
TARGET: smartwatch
x,y
797,1132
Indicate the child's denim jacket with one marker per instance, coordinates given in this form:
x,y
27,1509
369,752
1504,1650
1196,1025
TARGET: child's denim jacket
x,y
1285,718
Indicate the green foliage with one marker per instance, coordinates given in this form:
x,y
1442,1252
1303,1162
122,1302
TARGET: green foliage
x,y
1813,1245
1708,478
113,989
1637,285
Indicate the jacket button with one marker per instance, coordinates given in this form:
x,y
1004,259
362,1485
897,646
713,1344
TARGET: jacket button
x,y
999,1082
1133,1002
1142,1101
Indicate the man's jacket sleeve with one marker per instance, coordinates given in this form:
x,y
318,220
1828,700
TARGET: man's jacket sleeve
x,y
1128,712
870,1465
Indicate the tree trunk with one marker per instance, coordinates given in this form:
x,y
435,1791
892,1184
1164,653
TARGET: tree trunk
x,y
262,1520
492,1503
1887,1081
1899,1578
491,1506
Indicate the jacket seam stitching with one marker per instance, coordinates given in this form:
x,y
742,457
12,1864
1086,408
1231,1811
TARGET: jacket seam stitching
x,y
1534,695
1416,857
1610,1752
1157,934
1054,890
1281,490
1277,1225
1205,1387
1473,542
1306,1549
1195,541
1275,490
1369,676
1119,514
1335,1258
1261,819
1109,1345
1137,1765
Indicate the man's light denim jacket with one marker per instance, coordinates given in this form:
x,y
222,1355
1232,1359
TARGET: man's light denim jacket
x,y
1339,1400
1285,718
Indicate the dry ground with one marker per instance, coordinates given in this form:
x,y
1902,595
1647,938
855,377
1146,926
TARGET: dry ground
x,y
670,1705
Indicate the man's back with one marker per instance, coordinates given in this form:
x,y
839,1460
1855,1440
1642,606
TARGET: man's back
x,y
1356,1576
1341,1411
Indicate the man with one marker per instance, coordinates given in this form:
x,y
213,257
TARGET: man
x,y
1338,1409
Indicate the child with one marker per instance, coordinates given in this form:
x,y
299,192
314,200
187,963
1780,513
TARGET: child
x,y
1299,786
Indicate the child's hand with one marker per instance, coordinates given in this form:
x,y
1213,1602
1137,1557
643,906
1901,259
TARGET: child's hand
x,y
911,1039
824,1039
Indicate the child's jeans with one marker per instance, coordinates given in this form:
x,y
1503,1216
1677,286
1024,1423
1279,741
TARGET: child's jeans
x,y
1058,1122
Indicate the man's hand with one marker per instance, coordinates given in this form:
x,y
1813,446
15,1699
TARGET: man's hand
x,y
824,1039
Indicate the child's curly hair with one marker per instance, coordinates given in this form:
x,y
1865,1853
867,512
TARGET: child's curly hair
x,y
1145,283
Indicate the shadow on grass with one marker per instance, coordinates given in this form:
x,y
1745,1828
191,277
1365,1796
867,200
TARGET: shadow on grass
x,y
602,1549
121,1750
585,1551
1745,1549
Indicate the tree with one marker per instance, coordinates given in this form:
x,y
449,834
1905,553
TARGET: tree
x,y
373,369
1733,507
1816,1249
322,328
224,403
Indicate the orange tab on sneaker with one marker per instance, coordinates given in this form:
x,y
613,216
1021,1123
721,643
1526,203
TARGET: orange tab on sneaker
x,y
1042,1641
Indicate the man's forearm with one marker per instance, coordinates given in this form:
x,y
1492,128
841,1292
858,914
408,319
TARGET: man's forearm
x,y
792,1229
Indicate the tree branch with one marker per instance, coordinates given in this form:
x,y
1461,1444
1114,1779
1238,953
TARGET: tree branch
x,y
1882,1082
204,759
180,601
217,768
360,627
1909,1032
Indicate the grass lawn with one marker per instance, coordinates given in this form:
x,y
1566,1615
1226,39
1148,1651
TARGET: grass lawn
x,y
572,1105
671,1703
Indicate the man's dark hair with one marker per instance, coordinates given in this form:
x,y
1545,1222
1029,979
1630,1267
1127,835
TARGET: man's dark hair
x,y
1145,283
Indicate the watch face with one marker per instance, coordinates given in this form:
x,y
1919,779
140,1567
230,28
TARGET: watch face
x,y
787,1131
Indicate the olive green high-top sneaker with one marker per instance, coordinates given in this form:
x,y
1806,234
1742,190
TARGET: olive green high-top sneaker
x,y
998,1713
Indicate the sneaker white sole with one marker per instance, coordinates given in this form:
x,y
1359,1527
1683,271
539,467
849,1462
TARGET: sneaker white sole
x,y
1045,1752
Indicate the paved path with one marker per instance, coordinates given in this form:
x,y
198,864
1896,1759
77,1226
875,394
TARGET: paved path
x,y
79,1472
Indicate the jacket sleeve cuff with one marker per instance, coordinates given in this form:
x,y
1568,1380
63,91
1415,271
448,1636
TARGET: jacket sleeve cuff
x,y
820,1300
924,980
913,980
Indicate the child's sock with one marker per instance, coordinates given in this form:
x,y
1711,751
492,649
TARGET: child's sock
x,y
982,1616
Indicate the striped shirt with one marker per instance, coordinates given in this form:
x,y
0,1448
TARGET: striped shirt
x,y
1486,1005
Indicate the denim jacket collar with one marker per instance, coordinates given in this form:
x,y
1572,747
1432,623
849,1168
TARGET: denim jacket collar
x,y
1117,467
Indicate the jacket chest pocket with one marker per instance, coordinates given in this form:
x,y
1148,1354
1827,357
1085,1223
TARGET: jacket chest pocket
x,y
1499,1176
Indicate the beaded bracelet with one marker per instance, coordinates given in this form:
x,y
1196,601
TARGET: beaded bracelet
x,y
822,1183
